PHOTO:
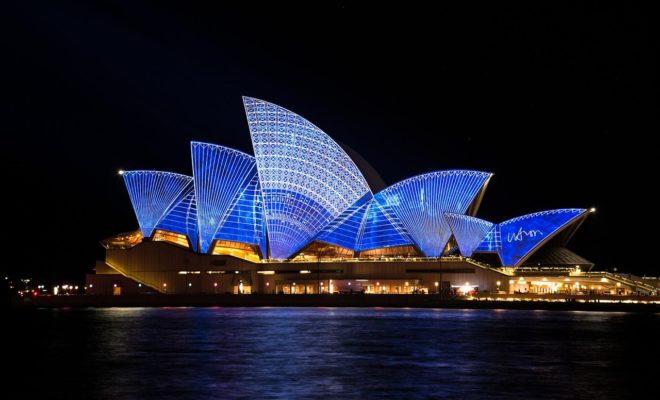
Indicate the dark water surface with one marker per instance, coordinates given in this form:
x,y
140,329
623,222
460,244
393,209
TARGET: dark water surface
x,y
199,353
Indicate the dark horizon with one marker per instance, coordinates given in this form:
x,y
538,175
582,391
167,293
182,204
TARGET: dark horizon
x,y
557,102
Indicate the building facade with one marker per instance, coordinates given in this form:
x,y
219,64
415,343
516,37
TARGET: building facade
x,y
298,216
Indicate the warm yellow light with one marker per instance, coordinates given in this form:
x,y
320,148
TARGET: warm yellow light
x,y
544,279
603,280
305,271
406,283
592,209
511,282
497,283
466,289
437,283
120,172
164,284
266,272
618,284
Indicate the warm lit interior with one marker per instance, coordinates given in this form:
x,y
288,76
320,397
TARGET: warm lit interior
x,y
236,249
324,251
368,286
394,251
170,237
123,240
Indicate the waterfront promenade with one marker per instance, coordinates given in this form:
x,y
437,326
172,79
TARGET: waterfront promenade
x,y
484,301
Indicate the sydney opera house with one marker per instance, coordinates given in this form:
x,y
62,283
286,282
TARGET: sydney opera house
x,y
299,216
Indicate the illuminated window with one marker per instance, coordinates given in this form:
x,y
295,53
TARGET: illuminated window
x,y
170,237
123,241
324,251
395,251
236,249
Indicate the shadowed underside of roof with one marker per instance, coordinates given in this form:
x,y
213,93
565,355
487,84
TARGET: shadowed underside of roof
x,y
373,178
557,256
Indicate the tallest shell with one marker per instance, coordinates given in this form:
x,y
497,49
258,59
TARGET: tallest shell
x,y
306,178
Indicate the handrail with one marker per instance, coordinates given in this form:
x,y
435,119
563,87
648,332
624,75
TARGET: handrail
x,y
623,279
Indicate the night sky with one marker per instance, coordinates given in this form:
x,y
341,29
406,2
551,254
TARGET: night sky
x,y
557,102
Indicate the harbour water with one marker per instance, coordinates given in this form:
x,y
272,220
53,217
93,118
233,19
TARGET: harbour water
x,y
199,353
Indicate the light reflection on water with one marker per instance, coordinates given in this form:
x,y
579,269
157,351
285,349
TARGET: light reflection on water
x,y
152,353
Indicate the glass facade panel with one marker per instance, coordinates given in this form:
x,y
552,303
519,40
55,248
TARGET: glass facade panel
x,y
123,240
236,249
171,237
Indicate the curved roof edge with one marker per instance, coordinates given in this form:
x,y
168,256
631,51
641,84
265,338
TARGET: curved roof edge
x,y
313,125
546,212
153,171
473,208
431,174
239,152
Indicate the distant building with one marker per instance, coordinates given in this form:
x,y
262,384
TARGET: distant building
x,y
299,217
